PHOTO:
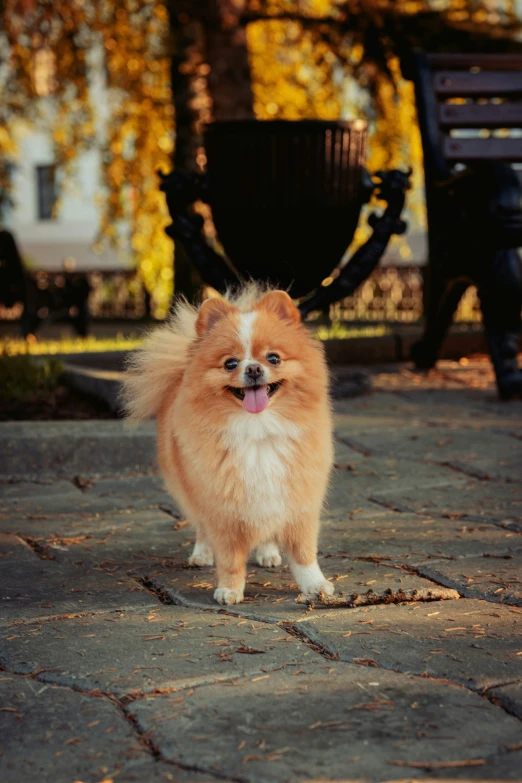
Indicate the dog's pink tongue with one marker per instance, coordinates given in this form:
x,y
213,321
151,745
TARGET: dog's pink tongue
x,y
256,400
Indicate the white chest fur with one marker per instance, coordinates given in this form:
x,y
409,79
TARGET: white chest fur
x,y
261,447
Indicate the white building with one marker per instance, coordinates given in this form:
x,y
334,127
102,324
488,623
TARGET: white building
x,y
58,223
47,237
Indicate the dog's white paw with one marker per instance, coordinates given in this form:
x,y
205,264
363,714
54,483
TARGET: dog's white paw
x,y
267,556
325,587
198,561
228,595
201,556
311,579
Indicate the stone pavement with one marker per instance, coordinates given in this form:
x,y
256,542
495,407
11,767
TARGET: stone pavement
x,y
116,665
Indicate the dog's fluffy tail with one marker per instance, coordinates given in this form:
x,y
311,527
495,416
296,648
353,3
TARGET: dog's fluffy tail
x,y
158,365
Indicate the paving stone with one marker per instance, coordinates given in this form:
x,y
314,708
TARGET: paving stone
x,y
55,734
469,642
399,397
379,475
480,577
36,499
66,449
510,697
138,540
346,384
12,492
344,455
332,721
156,771
125,542
63,531
28,500
343,500
474,500
132,542
33,588
171,647
483,454
270,595
505,766
136,491
412,539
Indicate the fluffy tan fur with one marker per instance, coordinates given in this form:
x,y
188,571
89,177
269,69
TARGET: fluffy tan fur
x,y
245,480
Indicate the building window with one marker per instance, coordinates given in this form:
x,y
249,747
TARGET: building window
x,y
45,178
6,187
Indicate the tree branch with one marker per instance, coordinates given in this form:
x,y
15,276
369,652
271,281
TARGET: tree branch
x,y
388,596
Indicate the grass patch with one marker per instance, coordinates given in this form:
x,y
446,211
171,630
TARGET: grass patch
x,y
35,347
23,377
340,331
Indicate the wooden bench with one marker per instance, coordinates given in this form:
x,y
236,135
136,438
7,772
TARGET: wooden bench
x,y
470,116
45,297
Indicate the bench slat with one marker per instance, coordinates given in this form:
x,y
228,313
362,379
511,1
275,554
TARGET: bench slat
x,y
488,62
464,83
486,115
462,150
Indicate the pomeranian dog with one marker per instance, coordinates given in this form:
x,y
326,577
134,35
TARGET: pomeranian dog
x,y
239,389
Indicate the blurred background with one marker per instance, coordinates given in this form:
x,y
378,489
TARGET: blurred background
x,y
97,95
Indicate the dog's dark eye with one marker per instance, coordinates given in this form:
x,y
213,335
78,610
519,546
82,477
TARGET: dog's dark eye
x,y
273,358
231,364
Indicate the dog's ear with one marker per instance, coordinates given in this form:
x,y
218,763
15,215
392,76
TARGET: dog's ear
x,y
210,312
280,303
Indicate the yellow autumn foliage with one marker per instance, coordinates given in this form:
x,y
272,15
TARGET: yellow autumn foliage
x,y
303,65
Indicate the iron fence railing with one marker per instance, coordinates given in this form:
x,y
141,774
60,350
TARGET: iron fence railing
x,y
392,294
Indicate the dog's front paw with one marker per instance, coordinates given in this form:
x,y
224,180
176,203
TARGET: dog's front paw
x,y
325,587
199,561
311,579
267,556
228,595
201,556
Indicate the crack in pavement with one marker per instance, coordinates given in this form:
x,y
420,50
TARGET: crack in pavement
x,y
51,618
120,703
40,550
465,591
292,629
354,445
498,702
458,467
392,506
160,593
502,684
322,650
505,525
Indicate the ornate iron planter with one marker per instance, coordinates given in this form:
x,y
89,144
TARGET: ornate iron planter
x,y
286,199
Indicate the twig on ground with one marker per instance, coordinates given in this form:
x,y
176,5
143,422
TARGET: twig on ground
x,y
388,596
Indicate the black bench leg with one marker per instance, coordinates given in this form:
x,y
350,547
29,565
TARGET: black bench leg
x,y
29,322
500,293
442,299
81,321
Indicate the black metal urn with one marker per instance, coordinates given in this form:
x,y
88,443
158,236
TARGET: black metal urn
x,y
286,198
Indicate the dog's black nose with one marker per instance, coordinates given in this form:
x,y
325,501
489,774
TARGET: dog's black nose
x,y
254,371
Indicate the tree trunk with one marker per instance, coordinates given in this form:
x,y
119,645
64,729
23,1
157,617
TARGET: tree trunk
x,y
210,81
229,79
192,110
